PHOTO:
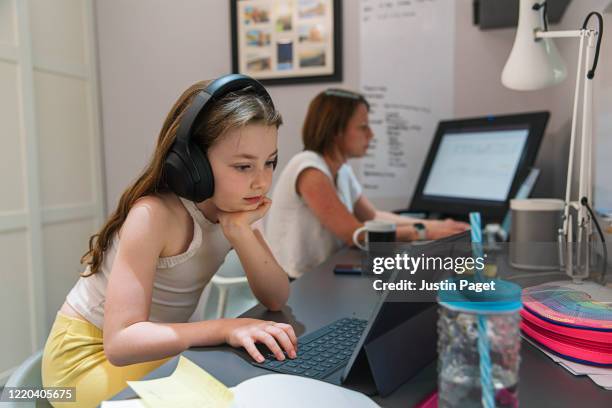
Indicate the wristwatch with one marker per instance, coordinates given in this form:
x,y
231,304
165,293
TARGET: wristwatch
x,y
421,231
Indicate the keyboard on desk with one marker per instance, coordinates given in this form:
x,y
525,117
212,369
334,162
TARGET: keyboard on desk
x,y
322,352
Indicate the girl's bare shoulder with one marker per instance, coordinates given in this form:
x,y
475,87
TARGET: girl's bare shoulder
x,y
173,224
162,205
161,211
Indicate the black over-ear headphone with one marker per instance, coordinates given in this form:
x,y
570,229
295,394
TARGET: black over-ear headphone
x,y
187,171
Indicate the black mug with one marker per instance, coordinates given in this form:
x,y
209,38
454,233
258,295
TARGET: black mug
x,y
380,237
375,231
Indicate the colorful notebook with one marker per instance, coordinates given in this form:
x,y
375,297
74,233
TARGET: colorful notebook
x,y
572,320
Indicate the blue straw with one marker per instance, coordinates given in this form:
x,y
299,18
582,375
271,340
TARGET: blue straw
x,y
486,380
486,377
476,233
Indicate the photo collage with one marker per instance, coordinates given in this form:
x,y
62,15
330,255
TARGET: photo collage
x,y
283,38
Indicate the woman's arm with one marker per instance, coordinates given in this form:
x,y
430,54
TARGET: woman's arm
x,y
128,335
365,210
398,219
434,229
321,197
319,194
267,279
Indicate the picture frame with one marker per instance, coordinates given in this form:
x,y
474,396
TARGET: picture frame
x,y
287,41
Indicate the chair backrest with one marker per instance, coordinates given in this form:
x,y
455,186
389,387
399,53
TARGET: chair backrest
x,y
229,274
28,374
231,267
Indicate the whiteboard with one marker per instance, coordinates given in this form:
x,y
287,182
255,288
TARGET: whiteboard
x,y
407,66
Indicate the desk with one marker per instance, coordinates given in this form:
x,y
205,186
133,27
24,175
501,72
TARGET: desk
x,y
320,297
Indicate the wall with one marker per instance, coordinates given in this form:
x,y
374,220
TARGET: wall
x,y
564,93
479,60
151,50
150,53
50,152
603,135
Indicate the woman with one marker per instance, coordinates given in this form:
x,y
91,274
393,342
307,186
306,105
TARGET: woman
x,y
318,203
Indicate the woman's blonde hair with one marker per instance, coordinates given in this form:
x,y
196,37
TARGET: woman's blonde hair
x,y
327,117
236,109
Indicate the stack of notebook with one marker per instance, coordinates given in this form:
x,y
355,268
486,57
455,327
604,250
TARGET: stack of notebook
x,y
573,321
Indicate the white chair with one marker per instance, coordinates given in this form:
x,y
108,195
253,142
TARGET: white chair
x,y
229,275
27,375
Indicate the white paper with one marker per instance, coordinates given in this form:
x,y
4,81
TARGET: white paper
x,y
604,381
586,369
281,391
407,60
599,375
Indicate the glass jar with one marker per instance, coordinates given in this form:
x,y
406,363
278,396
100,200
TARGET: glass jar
x,y
478,348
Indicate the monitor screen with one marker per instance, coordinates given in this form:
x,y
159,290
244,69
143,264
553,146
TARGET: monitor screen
x,y
476,164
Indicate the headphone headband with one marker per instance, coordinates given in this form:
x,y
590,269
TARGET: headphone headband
x,y
213,92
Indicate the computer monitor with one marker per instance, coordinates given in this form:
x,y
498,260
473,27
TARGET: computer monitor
x,y
478,164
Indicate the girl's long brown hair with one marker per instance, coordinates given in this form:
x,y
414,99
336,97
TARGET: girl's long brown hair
x,y
233,110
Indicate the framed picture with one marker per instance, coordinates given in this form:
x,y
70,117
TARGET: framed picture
x,y
287,41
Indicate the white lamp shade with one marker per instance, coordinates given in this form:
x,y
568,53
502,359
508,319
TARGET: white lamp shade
x,y
532,64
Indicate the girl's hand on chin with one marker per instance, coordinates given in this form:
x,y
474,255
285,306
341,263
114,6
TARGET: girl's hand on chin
x,y
232,222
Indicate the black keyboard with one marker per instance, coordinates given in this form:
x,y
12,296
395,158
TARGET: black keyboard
x,y
322,352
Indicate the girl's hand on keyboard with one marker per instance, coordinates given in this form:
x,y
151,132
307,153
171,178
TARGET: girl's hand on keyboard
x,y
246,332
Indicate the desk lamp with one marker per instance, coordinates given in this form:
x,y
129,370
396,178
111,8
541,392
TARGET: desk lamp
x,y
534,63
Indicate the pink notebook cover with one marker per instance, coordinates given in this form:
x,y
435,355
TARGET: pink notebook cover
x,y
589,335
431,401
586,351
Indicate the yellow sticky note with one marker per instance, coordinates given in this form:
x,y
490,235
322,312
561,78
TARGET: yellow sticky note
x,y
188,386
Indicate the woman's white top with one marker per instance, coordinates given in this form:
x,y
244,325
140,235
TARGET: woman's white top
x,y
296,236
179,280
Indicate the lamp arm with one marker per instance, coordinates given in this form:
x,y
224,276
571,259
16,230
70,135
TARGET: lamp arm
x,y
583,220
570,162
558,34
586,137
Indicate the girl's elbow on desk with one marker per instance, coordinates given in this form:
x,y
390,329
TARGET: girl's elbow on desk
x,y
273,292
276,301
274,306
115,356
146,341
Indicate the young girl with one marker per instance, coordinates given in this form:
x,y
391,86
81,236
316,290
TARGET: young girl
x,y
318,201
147,266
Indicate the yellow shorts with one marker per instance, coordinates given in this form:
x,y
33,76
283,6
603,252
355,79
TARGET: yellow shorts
x,y
74,357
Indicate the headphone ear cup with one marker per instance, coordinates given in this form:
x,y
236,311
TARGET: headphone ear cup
x,y
177,175
205,188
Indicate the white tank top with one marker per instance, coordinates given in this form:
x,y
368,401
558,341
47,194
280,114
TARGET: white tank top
x,y
297,238
178,282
